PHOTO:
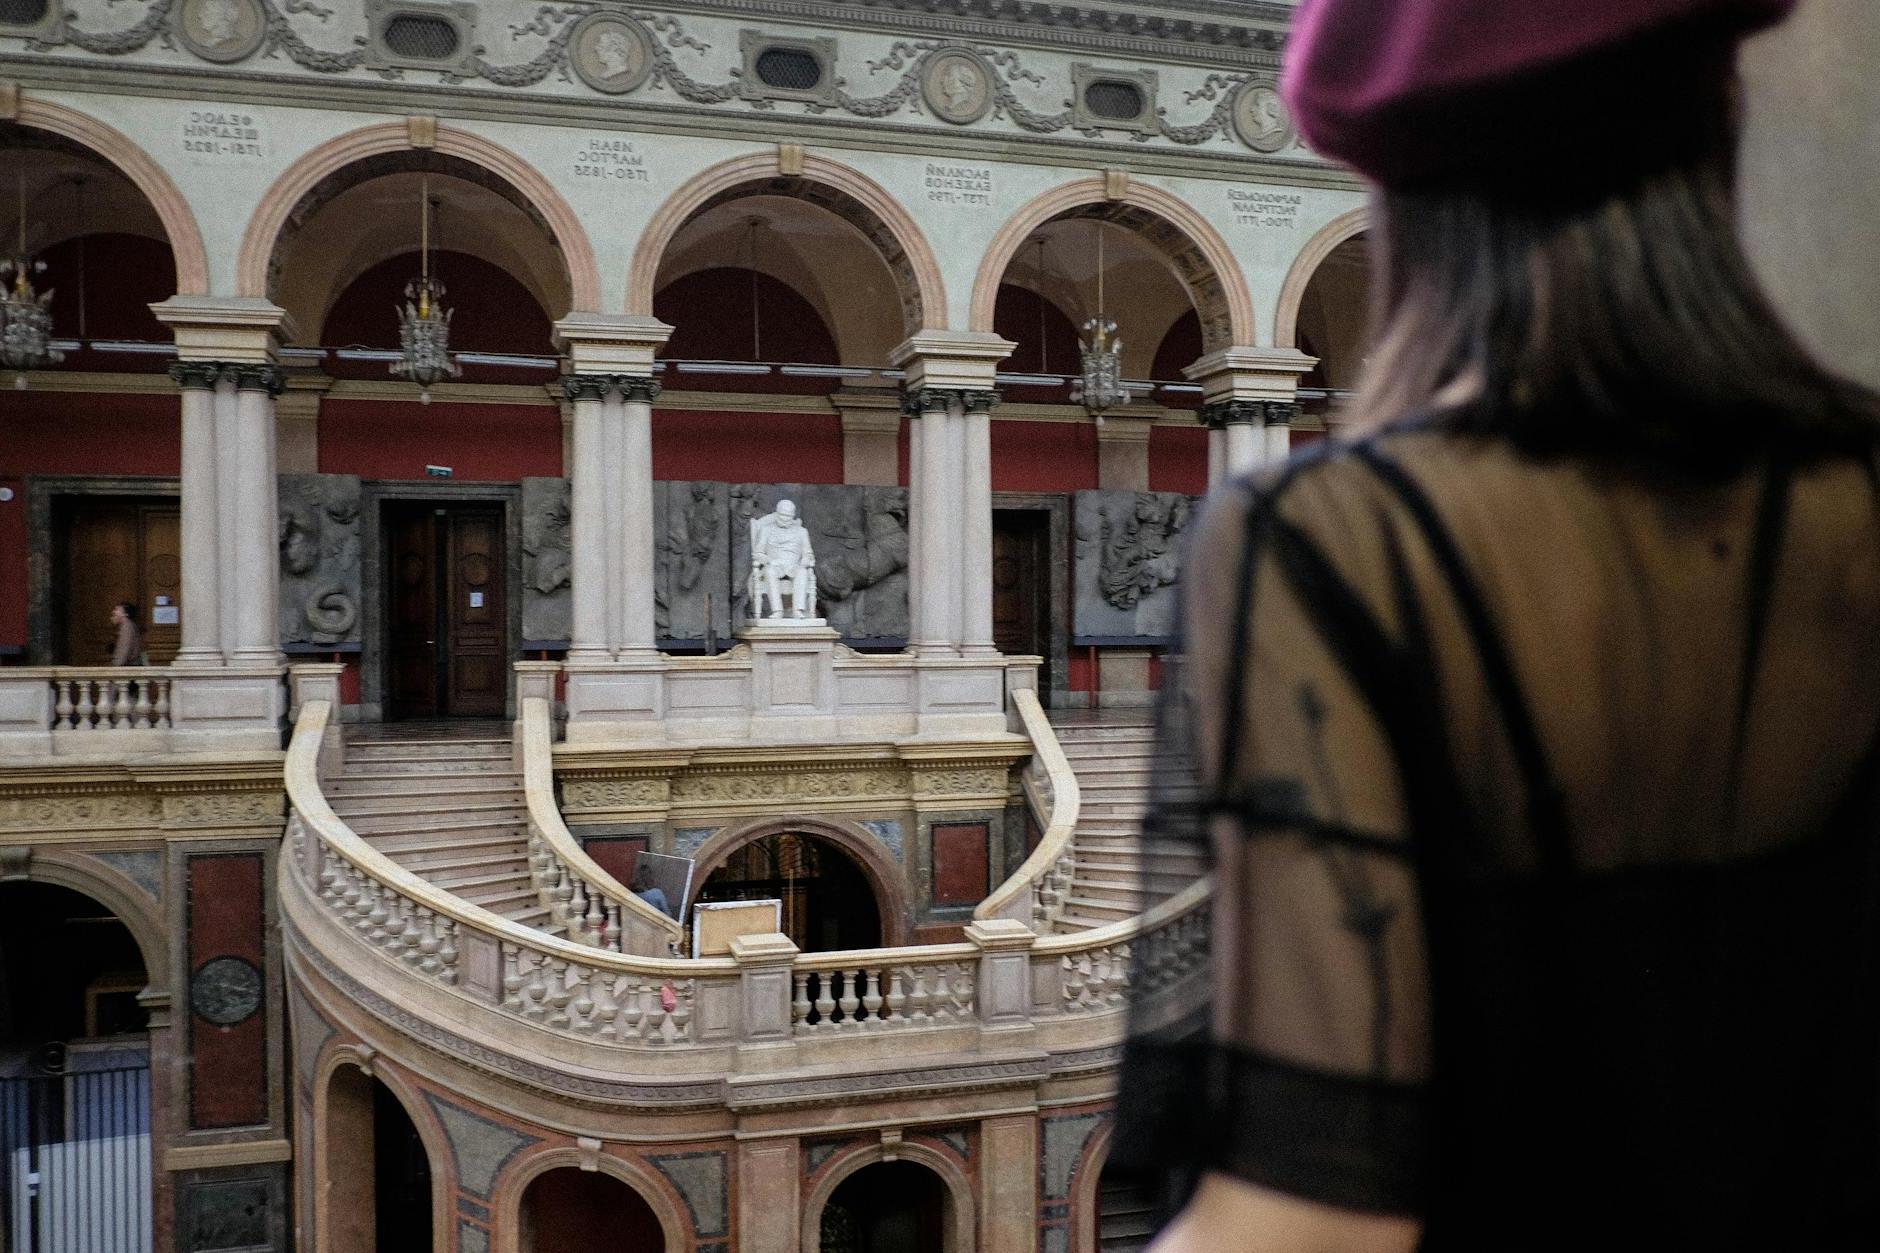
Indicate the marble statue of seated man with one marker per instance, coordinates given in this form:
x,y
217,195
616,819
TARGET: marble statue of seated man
x,y
781,553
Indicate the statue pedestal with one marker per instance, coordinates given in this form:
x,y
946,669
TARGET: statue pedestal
x,y
793,684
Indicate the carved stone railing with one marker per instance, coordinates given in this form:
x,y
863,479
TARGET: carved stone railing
x,y
886,989
451,943
590,904
766,1007
1035,893
95,711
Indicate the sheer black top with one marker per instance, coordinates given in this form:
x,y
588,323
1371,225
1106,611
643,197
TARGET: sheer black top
x,y
1542,807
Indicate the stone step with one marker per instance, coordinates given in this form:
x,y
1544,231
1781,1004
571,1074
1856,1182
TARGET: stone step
x,y
418,748
512,874
401,844
500,898
426,786
1100,907
423,805
494,818
450,767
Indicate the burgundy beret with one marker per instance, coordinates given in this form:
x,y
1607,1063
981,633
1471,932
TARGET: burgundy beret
x,y
1424,91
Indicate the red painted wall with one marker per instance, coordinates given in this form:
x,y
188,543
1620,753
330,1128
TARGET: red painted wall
x,y
747,447
1043,456
65,433
396,439
1178,459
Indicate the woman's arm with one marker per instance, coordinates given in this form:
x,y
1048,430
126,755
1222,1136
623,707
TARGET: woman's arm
x,y
1232,1214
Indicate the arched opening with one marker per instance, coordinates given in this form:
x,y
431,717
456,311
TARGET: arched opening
x,y
378,1192
1334,326
889,1207
830,902
1124,1218
74,1070
568,1210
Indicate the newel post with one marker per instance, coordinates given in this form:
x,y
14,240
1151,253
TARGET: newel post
x,y
765,967
1004,974
319,680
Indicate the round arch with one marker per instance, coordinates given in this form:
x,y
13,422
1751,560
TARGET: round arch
x,y
119,895
858,199
1292,292
514,1183
884,874
277,206
1205,265
1086,1187
436,1150
114,147
959,1190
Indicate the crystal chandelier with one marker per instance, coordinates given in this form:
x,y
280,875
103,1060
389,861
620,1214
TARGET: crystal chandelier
x,y
25,315
1100,386
424,322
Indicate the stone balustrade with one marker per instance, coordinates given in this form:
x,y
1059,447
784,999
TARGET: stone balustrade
x,y
94,712
1003,983
1035,894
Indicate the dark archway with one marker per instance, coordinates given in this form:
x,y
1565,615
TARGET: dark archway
x,y
377,1173
729,313
568,1210
829,901
889,1207
492,313
89,994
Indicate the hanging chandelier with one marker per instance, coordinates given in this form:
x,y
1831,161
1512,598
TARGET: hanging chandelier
x,y
424,322
25,315
1100,386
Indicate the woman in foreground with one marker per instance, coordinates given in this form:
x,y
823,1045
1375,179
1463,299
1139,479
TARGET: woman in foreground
x,y
1537,727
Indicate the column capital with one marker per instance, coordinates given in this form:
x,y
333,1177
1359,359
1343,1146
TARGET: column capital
x,y
632,387
203,374
1222,413
918,400
251,377
1281,412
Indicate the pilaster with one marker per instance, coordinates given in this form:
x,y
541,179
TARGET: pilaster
x,y
871,436
1123,448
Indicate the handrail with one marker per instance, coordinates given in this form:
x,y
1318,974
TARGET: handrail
x,y
307,800
1034,889
1185,901
585,898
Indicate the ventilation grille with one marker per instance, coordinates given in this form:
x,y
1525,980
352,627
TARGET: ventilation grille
x,y
23,12
1114,100
789,69
417,37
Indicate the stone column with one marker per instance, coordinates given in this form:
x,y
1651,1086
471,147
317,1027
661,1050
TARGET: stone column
x,y
1008,1182
297,424
918,518
1279,420
976,522
935,494
256,564
201,583
1239,387
638,636
1217,451
1123,448
588,554
226,350
949,384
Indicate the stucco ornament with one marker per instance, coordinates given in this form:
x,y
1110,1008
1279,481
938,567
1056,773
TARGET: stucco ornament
x,y
781,553
1260,116
222,30
957,85
611,53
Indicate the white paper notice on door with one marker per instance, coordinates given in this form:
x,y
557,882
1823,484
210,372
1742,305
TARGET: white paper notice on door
x,y
476,600
165,615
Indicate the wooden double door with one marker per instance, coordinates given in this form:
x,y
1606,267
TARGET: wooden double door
x,y
447,615
110,549
1021,581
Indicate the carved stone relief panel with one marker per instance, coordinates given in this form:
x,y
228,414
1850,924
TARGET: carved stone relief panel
x,y
692,566
860,537
320,585
546,559
1128,563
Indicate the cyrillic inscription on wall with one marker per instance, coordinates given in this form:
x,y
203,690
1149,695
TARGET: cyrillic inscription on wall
x,y
951,183
1256,206
224,134
612,158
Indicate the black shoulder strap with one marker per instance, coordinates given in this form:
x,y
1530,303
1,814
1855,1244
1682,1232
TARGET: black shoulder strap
x,y
1772,519
1547,812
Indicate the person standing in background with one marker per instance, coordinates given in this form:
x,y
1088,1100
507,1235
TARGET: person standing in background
x,y
129,648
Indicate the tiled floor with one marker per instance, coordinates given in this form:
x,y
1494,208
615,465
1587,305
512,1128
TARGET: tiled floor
x,y
429,730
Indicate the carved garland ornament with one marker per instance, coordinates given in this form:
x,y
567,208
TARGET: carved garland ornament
x,y
55,813
616,52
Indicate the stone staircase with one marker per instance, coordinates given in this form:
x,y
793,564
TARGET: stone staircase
x,y
1125,1219
1113,760
449,810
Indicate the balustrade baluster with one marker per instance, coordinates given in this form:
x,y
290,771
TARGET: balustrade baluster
x,y
606,1008
942,995
681,1014
799,1007
107,704
141,704
161,717
428,942
632,1010
560,993
512,978
61,705
447,951
851,999
917,997
825,1000
963,979
871,997
85,705
897,998
1073,982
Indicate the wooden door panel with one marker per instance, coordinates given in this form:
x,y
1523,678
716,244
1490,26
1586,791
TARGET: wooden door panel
x,y
1019,542
162,584
411,614
478,658
101,569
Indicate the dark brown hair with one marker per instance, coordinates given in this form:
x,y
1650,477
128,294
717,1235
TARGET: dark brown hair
x,y
1620,320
